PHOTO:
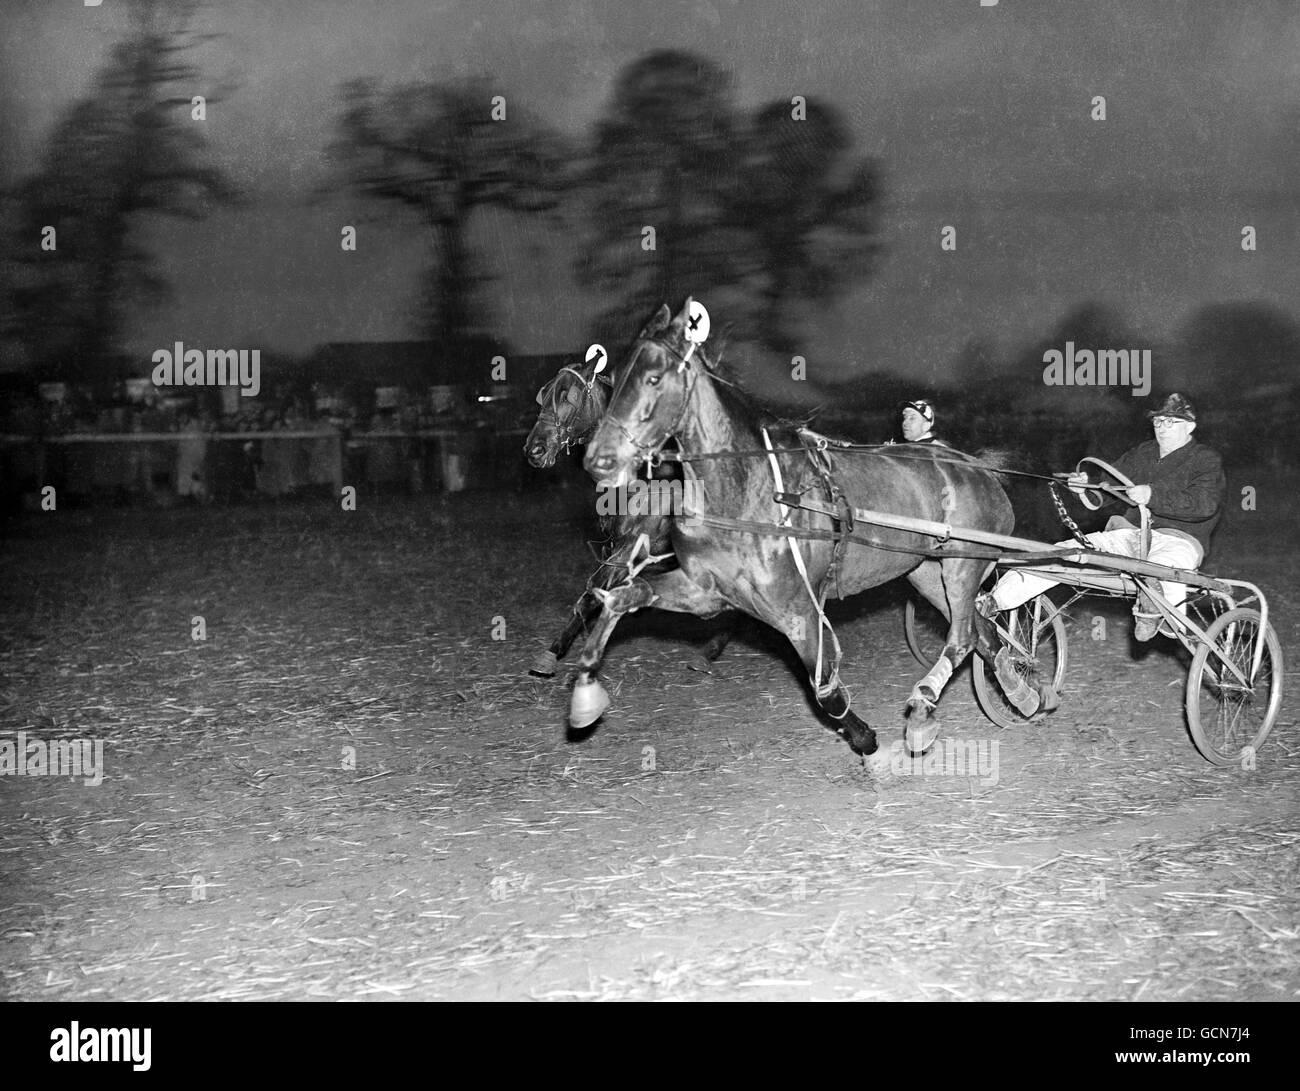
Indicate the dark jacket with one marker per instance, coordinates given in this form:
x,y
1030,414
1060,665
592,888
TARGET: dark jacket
x,y
1187,487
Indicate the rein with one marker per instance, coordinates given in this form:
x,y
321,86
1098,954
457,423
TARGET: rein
x,y
897,450
813,444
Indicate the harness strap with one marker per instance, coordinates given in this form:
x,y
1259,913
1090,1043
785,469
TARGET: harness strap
x,y
823,690
815,445
642,546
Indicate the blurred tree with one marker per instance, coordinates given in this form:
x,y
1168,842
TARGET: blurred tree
x,y
978,364
1241,364
1090,325
127,150
1238,347
663,156
436,148
810,206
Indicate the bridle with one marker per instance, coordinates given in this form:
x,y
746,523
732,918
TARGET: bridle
x,y
647,452
552,398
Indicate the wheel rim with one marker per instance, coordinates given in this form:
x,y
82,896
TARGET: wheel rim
x,y
1228,716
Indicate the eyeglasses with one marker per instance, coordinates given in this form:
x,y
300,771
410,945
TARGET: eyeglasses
x,y
1168,422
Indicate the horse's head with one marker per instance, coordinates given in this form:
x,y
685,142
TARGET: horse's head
x,y
572,404
650,401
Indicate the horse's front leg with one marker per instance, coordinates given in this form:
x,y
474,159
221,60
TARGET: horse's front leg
x,y
802,630
668,591
589,698
580,617
585,610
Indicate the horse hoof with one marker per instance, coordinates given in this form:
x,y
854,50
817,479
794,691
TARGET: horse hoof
x,y
1048,699
699,663
1026,699
920,737
587,705
858,734
545,664
865,744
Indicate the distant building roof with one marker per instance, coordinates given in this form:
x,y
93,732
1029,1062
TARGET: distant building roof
x,y
424,363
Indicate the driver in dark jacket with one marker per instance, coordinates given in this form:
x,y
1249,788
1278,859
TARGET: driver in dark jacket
x,y
1181,482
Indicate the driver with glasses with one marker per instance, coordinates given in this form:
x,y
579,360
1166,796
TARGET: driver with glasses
x,y
1181,482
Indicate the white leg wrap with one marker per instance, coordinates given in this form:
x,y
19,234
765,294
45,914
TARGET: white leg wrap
x,y
929,687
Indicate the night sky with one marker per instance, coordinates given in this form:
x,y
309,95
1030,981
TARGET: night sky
x,y
979,117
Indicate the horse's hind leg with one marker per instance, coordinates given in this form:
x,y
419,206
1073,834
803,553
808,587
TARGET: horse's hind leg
x,y
951,587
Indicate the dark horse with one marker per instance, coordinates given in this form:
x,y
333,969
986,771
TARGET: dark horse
x,y
572,404
730,555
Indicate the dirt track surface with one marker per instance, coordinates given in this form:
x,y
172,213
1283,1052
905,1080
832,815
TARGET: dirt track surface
x,y
350,790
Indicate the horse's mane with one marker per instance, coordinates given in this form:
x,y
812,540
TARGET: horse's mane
x,y
734,394
729,382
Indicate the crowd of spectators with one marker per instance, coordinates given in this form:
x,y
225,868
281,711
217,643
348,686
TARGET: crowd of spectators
x,y
59,409
182,445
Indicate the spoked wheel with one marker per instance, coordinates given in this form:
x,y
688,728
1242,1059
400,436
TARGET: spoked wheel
x,y
1229,718
1035,636
925,629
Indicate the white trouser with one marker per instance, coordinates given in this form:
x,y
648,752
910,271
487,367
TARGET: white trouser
x,y
1016,587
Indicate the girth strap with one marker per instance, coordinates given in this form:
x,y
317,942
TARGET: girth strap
x,y
815,445
818,597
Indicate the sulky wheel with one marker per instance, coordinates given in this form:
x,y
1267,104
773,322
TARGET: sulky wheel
x,y
1229,716
1035,635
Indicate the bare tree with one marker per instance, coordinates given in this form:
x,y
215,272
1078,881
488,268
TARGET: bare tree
x,y
437,148
661,158
810,205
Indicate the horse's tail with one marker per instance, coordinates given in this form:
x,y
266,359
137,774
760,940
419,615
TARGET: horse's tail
x,y
1031,500
1001,458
